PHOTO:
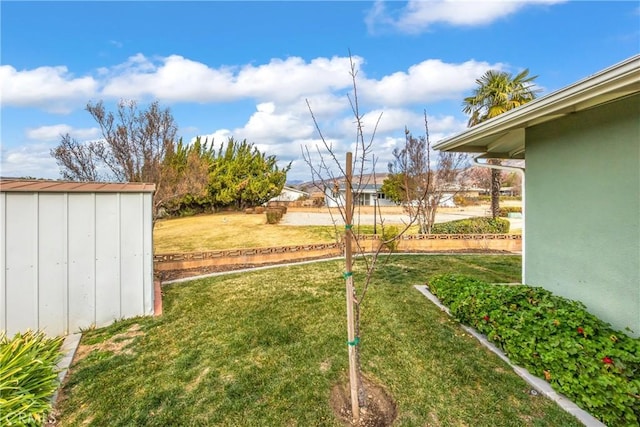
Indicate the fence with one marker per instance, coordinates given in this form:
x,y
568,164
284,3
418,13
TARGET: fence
x,y
263,256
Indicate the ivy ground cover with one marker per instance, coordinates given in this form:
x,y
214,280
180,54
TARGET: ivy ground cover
x,y
554,338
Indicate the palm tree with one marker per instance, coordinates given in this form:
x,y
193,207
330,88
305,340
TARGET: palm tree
x,y
498,92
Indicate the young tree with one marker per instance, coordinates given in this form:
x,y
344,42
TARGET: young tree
x,y
418,184
496,93
328,172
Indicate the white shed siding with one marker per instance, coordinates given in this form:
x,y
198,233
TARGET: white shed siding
x,y
70,260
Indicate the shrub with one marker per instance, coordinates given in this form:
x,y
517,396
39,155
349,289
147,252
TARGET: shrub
x,y
506,210
462,201
556,339
259,209
28,377
478,225
274,215
389,235
502,198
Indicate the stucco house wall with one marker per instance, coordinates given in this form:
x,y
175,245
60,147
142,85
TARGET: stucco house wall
x,y
583,209
582,188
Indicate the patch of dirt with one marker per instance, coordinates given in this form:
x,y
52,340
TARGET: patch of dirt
x,y
116,344
324,366
379,409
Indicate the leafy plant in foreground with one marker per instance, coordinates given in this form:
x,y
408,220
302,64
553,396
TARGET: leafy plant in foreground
x,y
28,377
555,338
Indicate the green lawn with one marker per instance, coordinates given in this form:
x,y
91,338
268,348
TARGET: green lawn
x,y
264,349
229,230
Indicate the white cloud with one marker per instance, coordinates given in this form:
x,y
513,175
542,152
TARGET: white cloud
x,y
285,133
418,16
31,160
281,122
53,132
178,79
53,89
217,137
429,81
286,82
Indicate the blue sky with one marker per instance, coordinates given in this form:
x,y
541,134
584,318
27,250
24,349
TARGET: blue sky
x,y
245,69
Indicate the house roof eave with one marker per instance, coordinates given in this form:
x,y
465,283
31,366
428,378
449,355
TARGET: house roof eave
x,y
504,136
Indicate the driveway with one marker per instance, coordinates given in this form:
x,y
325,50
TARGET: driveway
x,y
394,216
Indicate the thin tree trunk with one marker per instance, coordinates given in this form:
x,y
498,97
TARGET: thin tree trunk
x,y
352,339
496,182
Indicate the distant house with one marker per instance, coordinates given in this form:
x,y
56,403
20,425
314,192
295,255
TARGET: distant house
x,y
366,195
289,194
582,189
74,254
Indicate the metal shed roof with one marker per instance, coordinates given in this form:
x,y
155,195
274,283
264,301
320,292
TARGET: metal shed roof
x,y
504,135
49,186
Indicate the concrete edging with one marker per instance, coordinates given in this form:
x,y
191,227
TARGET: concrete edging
x,y
69,348
540,385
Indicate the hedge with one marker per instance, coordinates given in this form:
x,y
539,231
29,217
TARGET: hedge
x,y
554,338
478,225
506,210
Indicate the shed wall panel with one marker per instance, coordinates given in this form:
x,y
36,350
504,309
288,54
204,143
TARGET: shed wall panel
x,y
147,222
82,295
132,254
107,258
52,252
73,260
22,257
3,259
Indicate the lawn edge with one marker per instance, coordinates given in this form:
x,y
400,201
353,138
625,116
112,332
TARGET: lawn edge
x,y
336,258
69,348
537,383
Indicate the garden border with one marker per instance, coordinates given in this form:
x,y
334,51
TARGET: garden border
x,y
425,243
537,383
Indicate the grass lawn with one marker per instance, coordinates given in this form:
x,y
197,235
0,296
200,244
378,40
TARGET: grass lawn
x,y
228,230
264,349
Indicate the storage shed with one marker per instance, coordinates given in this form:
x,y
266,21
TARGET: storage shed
x,y
74,254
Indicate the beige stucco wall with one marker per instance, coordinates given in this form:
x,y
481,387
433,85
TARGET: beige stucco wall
x,y
583,210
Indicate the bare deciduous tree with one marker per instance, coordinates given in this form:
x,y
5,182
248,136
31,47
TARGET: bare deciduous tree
x,y
332,178
132,149
135,141
77,161
423,185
